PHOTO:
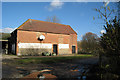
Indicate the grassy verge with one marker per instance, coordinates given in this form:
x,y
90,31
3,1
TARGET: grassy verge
x,y
50,60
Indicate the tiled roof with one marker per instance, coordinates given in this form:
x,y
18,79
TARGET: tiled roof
x,y
42,26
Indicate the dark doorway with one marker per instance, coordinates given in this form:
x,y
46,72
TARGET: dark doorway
x,y
73,49
55,48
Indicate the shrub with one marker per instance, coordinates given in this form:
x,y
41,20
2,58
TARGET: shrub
x,y
45,54
48,54
53,54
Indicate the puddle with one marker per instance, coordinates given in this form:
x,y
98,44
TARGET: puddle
x,y
82,78
23,71
82,71
45,73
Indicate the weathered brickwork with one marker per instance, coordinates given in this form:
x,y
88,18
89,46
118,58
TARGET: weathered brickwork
x,y
59,38
32,37
33,51
64,51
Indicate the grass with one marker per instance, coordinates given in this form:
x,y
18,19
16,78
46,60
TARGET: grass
x,y
8,55
50,60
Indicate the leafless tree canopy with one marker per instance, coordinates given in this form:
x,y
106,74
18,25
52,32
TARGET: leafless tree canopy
x,y
107,13
53,19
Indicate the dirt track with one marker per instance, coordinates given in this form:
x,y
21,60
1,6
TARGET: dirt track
x,y
69,69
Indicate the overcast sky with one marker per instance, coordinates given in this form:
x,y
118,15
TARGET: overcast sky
x,y
79,15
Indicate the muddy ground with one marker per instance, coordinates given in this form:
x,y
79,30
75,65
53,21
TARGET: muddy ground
x,y
70,69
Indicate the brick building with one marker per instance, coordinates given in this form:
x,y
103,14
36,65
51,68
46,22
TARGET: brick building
x,y
58,38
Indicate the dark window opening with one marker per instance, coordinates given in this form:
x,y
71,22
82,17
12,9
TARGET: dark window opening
x,y
73,49
55,49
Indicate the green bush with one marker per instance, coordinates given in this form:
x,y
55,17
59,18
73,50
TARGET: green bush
x,y
46,54
53,54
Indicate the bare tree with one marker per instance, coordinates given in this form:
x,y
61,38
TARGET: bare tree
x,y
48,19
53,19
119,10
106,13
109,40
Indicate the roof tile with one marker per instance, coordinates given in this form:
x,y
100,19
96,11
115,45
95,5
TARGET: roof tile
x,y
42,26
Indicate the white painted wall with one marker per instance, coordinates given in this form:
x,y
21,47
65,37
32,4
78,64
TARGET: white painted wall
x,y
35,45
42,45
63,46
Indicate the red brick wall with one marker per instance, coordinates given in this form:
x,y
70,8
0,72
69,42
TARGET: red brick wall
x,y
32,37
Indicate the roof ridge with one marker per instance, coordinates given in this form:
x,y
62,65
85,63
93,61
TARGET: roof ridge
x,y
23,24
72,29
64,28
49,22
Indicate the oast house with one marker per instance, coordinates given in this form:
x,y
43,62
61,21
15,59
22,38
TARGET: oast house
x,y
34,37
